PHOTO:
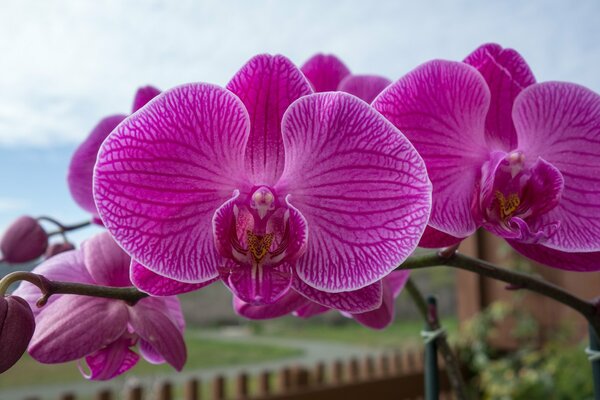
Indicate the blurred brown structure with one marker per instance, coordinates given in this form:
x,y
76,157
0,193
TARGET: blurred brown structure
x,y
475,292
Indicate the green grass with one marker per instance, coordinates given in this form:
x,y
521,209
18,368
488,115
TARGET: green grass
x,y
402,333
202,353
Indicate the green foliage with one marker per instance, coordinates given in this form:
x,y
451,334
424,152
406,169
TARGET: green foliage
x,y
557,371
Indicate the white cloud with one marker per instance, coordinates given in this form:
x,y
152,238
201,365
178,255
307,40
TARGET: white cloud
x,y
66,63
12,205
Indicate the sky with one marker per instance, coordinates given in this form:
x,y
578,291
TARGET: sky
x,y
66,64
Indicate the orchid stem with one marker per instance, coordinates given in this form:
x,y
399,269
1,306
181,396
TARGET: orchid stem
x,y
450,361
64,228
586,308
48,288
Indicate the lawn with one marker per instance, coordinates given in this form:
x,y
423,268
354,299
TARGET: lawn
x,y
402,333
202,353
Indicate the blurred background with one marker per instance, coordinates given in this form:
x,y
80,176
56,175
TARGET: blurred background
x,y
66,64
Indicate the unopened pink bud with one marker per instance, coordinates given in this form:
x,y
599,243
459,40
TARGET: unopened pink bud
x,y
16,329
58,248
24,240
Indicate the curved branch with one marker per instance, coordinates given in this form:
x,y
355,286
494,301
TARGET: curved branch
x,y
588,309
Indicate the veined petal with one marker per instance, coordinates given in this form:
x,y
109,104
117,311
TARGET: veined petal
x,y
325,72
506,74
361,186
162,174
310,310
160,331
560,122
441,107
106,262
143,96
156,285
383,316
259,284
81,168
66,267
111,361
581,262
434,239
73,327
365,87
362,300
285,305
267,85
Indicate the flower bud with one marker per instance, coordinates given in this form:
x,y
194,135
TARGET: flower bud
x,y
57,248
24,240
16,329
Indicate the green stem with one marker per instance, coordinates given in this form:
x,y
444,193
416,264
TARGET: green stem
x,y
450,361
48,288
520,280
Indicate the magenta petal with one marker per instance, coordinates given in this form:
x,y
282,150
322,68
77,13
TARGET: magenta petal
x,y
325,72
66,267
106,262
560,122
434,239
383,316
160,331
581,262
162,174
259,285
361,186
357,301
310,309
506,74
111,361
149,353
73,327
143,96
365,87
441,107
267,85
82,163
285,305
156,285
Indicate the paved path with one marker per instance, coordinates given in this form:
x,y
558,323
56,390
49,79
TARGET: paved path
x,y
313,352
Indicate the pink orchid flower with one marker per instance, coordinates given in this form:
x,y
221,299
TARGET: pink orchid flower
x,y
102,331
328,73
81,168
266,186
293,302
514,157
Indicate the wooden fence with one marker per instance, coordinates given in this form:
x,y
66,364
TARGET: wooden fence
x,y
393,375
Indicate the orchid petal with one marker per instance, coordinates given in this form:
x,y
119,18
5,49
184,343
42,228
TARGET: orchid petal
x,y
156,285
360,185
434,239
383,316
267,85
143,96
82,163
310,310
580,262
560,122
325,72
111,361
161,175
365,87
441,107
73,327
506,74
106,262
160,331
362,300
258,285
65,267
285,305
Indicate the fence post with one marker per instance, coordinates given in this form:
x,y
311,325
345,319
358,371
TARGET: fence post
x,y
104,394
368,368
68,396
241,386
264,383
285,380
353,370
164,391
218,388
319,374
191,391
134,393
337,373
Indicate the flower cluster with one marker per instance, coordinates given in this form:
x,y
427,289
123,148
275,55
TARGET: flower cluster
x,y
303,189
